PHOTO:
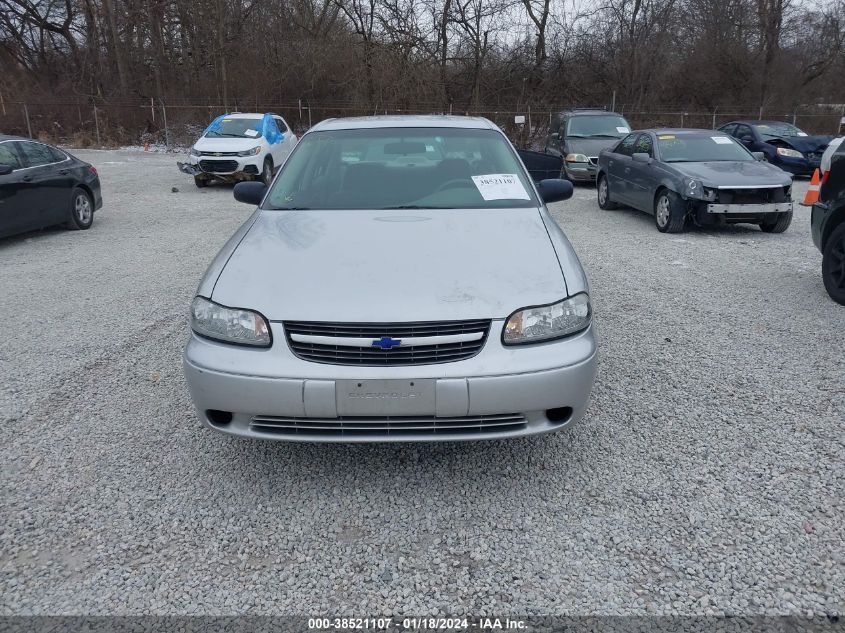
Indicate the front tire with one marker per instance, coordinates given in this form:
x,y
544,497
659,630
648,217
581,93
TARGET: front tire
x,y
267,171
200,182
603,194
833,265
669,213
81,211
777,224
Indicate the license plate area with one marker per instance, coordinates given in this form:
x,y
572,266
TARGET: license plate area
x,y
385,397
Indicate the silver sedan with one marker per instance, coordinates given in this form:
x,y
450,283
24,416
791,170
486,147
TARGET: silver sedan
x,y
400,280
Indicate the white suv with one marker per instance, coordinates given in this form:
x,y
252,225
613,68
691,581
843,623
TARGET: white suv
x,y
240,146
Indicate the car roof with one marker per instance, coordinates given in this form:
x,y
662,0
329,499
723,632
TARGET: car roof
x,y
756,122
248,115
587,112
404,120
679,131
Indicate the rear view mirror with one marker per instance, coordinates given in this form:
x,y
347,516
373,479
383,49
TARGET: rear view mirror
x,y
758,155
641,157
5,169
250,192
554,189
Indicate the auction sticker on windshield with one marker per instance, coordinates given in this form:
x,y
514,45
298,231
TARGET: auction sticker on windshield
x,y
500,187
722,140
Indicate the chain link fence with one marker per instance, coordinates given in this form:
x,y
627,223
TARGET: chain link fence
x,y
175,126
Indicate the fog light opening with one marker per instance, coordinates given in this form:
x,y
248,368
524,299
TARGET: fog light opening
x,y
220,418
559,415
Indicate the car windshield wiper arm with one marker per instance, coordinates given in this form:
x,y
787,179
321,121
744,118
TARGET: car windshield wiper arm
x,y
412,206
290,208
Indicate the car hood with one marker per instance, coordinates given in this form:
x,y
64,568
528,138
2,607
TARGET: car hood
x,y
729,173
371,266
589,146
804,144
226,144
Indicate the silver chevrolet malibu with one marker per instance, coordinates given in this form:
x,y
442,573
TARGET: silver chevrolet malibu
x,y
400,280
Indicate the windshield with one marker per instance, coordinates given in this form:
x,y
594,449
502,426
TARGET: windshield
x,y
236,128
779,129
597,126
402,168
695,149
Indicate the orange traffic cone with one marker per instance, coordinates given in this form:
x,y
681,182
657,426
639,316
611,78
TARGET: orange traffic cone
x,y
147,146
812,191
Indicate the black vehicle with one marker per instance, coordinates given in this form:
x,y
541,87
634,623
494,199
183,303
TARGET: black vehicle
x,y
781,143
698,176
577,137
827,222
42,185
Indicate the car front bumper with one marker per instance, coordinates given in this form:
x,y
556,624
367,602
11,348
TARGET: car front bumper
x,y
750,209
581,172
798,166
223,167
501,392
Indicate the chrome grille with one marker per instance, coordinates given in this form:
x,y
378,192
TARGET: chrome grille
x,y
392,426
218,153
363,353
219,166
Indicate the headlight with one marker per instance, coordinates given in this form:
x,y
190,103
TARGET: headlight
x,y
195,152
693,188
785,151
230,325
251,152
576,158
542,323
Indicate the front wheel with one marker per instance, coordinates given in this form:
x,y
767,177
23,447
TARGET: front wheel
x,y
81,211
267,172
200,182
669,212
777,224
603,193
833,265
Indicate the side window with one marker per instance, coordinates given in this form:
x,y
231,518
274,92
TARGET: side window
x,y
34,154
743,133
280,123
8,156
643,145
57,154
626,147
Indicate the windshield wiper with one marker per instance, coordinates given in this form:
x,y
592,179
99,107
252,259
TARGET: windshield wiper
x,y
291,208
603,136
413,206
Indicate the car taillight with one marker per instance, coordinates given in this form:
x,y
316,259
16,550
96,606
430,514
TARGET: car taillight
x,y
824,177
92,169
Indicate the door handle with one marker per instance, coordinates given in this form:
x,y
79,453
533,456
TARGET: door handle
x,y
63,172
627,170
27,178
610,162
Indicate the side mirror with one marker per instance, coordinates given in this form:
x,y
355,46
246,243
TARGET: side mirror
x,y
250,192
641,157
5,169
554,189
758,156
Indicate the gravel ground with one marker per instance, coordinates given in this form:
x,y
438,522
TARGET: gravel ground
x,y
706,477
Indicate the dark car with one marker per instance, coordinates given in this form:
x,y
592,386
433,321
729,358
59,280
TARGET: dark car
x,y
42,185
781,143
577,136
702,176
828,224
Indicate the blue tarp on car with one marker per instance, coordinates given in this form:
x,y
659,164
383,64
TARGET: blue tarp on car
x,y
266,127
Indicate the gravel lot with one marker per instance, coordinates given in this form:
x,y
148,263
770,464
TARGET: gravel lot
x,y
706,477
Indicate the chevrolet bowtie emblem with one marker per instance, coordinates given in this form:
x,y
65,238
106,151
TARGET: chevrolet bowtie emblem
x,y
385,342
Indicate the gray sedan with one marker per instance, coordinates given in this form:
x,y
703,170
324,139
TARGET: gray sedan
x,y
698,176
401,280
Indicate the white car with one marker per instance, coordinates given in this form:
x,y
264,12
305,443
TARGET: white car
x,y
240,146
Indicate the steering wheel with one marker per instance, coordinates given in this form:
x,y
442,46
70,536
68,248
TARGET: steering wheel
x,y
454,183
